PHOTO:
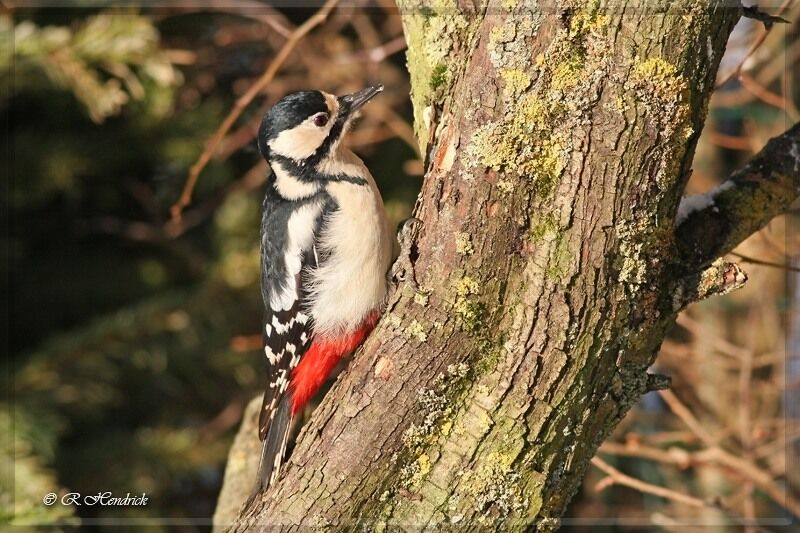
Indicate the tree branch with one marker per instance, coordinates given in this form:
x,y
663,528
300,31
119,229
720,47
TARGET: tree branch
x,y
712,224
543,270
619,478
615,477
719,278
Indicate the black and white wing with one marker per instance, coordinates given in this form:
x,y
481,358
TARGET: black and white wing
x,y
287,252
287,336
288,230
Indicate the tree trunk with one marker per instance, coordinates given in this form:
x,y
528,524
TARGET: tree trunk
x,y
559,141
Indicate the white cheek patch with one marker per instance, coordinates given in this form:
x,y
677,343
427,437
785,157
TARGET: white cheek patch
x,y
299,142
303,140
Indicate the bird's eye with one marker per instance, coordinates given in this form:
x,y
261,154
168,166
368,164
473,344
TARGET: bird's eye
x,y
320,119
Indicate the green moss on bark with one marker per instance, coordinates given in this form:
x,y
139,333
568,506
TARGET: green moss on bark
x,y
433,34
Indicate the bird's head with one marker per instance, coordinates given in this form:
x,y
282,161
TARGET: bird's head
x,y
305,126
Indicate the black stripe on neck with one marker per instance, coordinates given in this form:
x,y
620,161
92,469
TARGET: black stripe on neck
x,y
334,134
305,171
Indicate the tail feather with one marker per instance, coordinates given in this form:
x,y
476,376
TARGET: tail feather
x,y
274,447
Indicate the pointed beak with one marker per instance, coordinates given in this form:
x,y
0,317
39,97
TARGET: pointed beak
x,y
352,102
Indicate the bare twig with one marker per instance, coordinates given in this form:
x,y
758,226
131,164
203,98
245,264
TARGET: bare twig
x,y
745,416
673,455
618,478
777,67
677,407
378,53
736,72
761,478
732,142
752,260
716,456
765,95
242,102
246,343
719,343
397,124
222,421
244,8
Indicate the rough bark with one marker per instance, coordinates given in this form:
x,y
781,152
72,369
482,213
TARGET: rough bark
x,y
559,141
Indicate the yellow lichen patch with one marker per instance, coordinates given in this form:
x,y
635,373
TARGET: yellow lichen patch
x,y
551,160
393,320
466,286
501,34
505,186
423,469
414,472
459,370
421,298
660,74
416,330
588,20
490,148
545,228
566,74
465,307
660,86
560,259
494,483
437,405
637,241
523,143
464,244
516,80
633,267
507,44
446,427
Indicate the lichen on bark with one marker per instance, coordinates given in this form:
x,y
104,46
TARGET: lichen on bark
x,y
437,32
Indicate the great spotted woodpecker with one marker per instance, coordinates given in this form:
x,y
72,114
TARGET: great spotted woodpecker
x,y
325,253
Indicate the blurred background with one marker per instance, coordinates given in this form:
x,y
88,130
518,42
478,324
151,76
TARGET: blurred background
x,y
133,339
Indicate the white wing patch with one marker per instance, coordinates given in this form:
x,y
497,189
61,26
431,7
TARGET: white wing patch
x,y
272,357
300,237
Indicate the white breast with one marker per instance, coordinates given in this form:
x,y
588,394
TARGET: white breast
x,y
352,281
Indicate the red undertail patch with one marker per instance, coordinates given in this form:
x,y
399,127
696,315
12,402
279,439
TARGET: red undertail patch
x,y
317,363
